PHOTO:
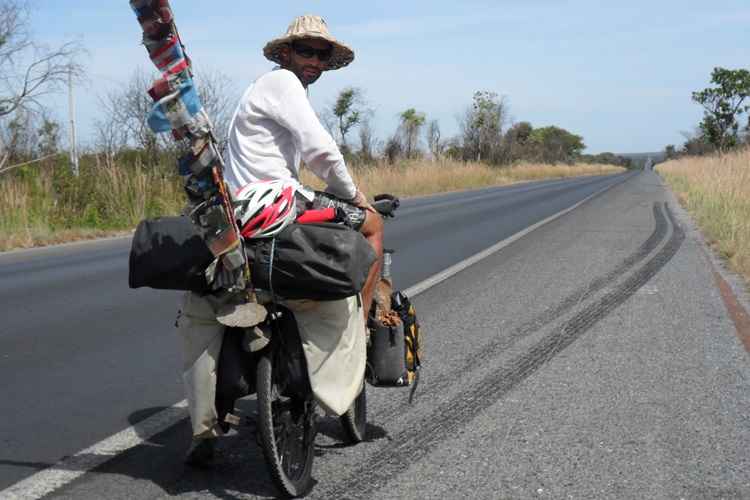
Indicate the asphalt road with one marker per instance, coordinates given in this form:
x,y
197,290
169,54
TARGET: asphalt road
x,y
592,358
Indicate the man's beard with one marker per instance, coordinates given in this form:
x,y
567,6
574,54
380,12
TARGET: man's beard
x,y
309,75
312,75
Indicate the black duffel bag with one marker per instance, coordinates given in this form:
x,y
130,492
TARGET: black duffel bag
x,y
168,253
322,261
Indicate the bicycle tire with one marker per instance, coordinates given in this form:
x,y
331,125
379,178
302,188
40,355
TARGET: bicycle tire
x,y
354,420
289,461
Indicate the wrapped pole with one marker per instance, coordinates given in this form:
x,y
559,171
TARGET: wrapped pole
x,y
178,109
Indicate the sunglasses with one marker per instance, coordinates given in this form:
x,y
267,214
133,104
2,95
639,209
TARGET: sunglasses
x,y
308,52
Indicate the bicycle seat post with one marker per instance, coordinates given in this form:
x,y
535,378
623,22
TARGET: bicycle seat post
x,y
385,272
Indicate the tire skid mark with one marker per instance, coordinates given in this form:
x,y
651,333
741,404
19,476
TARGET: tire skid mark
x,y
411,445
578,296
496,347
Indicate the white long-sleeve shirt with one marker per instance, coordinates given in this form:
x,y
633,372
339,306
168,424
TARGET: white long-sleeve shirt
x,y
274,127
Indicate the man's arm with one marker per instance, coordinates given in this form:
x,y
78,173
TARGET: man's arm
x,y
317,148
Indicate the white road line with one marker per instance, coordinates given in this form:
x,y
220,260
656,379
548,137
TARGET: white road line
x,y
470,261
71,468
67,470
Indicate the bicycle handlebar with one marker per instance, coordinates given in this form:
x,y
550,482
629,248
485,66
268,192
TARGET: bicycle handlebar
x,y
386,204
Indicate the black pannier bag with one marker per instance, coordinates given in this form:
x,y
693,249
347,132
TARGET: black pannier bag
x,y
324,261
168,253
386,356
394,354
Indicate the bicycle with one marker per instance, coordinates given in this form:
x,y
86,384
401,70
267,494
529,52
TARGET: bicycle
x,y
286,424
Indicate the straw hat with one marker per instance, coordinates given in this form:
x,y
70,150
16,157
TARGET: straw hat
x,y
309,26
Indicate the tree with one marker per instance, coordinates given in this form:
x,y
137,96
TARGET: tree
x,y
555,144
434,143
393,148
482,127
366,140
520,132
453,148
348,112
518,141
28,70
723,104
48,137
607,159
110,140
127,110
18,137
411,124
696,143
670,152
219,97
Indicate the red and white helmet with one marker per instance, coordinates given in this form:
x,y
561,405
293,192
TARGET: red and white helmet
x,y
264,208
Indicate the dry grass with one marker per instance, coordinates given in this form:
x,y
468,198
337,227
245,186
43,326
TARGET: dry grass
x,y
22,203
416,178
716,191
47,205
39,237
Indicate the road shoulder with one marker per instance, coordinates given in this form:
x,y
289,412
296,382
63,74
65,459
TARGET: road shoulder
x,y
732,286
650,402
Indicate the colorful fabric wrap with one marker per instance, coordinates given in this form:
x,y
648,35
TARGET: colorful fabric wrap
x,y
216,227
200,187
196,164
164,86
154,16
168,56
177,109
199,127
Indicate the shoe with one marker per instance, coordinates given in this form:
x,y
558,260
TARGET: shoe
x,y
201,453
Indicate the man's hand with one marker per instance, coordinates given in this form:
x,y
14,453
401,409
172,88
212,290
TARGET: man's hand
x,y
360,200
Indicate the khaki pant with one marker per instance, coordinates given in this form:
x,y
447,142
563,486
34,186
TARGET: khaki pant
x,y
333,340
201,338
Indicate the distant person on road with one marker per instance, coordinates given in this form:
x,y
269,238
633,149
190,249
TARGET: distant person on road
x,y
273,129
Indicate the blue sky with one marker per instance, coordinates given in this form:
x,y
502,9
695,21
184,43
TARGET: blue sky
x,y
619,75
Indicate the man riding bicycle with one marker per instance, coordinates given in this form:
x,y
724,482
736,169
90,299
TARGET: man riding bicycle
x,y
273,129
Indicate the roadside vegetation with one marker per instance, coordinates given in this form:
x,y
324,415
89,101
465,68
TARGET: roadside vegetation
x,y
128,173
419,177
725,125
715,189
46,204
52,192
710,173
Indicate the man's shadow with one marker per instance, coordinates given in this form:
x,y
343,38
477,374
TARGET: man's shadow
x,y
239,468
239,465
332,428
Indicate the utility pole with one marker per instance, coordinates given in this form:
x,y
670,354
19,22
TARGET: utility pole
x,y
72,112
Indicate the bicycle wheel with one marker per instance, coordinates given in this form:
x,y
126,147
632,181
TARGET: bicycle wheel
x,y
354,420
287,432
